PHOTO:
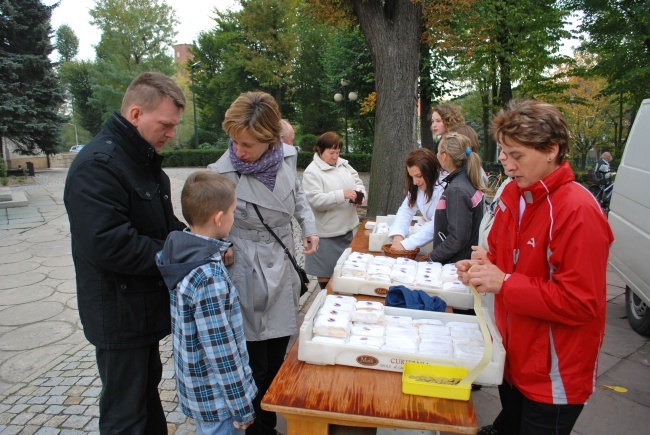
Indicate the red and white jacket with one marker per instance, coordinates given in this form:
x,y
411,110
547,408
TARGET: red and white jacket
x,y
551,309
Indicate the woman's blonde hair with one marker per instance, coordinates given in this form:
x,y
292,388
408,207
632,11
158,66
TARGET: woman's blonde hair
x,y
456,146
258,114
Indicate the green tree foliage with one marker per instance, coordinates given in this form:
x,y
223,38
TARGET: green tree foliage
x,y
135,33
619,36
501,44
31,92
67,43
79,78
136,37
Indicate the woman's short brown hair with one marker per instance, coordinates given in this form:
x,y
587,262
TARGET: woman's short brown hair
x,y
204,193
533,124
468,131
258,114
327,140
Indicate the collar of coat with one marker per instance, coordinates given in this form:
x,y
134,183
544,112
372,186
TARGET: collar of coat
x,y
324,166
137,145
253,191
539,191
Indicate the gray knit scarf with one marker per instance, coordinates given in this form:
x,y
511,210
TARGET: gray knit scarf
x,y
263,169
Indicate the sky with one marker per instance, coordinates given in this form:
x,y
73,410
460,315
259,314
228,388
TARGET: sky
x,y
194,16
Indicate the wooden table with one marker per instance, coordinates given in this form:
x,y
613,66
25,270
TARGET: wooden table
x,y
311,397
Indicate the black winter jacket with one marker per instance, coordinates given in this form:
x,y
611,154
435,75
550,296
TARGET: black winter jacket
x,y
119,206
457,219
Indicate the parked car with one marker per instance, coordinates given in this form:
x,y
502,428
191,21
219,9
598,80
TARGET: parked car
x,y
76,148
629,216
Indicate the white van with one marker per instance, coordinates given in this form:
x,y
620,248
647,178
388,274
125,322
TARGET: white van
x,y
629,217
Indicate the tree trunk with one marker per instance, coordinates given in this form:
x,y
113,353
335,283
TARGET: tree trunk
x,y
425,98
393,36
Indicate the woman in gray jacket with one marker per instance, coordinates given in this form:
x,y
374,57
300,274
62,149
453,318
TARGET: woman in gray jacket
x,y
334,190
269,287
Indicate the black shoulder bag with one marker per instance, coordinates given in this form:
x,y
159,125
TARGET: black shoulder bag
x,y
304,279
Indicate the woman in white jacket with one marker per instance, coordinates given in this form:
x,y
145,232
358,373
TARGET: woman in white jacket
x,y
424,188
334,190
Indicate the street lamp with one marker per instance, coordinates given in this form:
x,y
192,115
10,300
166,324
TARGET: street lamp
x,y
196,135
76,138
338,97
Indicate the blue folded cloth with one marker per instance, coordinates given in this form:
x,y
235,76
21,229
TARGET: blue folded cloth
x,y
403,297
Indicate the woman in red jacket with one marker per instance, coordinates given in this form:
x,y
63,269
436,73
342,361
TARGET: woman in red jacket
x,y
546,265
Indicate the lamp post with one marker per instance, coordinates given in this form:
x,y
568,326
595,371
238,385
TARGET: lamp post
x,y
338,97
196,135
76,138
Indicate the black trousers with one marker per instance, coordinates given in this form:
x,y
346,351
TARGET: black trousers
x,y
524,416
266,357
129,402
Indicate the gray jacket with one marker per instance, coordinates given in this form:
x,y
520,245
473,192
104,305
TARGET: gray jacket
x,y
268,285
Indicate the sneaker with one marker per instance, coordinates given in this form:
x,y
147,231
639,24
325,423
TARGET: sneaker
x,y
487,430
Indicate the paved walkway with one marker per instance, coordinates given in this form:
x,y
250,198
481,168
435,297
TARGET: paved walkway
x,y
48,377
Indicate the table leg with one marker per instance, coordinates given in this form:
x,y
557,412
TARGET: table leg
x,y
302,426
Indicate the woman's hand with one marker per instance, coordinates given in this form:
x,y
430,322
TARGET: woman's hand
x,y
229,257
484,276
310,244
350,194
397,243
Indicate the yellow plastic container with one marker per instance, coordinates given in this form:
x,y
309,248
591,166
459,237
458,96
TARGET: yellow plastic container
x,y
435,381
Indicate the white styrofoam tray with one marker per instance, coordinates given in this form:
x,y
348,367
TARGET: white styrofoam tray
x,y
362,286
377,240
350,355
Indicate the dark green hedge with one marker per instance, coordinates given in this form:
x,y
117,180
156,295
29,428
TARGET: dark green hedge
x,y
202,158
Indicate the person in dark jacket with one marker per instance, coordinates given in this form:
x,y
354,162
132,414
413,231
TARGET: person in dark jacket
x,y
460,209
118,201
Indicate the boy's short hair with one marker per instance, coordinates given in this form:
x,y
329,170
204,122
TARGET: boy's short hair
x,y
204,193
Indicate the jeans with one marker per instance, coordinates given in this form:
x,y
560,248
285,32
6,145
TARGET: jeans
x,y
217,428
129,402
527,417
266,357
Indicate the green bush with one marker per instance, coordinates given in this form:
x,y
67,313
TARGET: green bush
x,y
203,157
307,142
3,169
190,158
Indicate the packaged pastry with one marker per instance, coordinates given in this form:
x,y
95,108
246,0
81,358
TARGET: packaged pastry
x,y
455,286
433,330
382,261
464,325
420,322
401,331
367,329
448,339
364,341
369,316
332,326
331,311
328,340
369,306
398,320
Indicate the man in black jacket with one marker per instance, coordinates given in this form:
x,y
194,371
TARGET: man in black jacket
x,y
119,205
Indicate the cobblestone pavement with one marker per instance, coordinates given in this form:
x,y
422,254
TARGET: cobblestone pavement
x,y
48,374
48,377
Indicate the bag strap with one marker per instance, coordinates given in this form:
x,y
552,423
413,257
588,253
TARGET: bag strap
x,y
286,250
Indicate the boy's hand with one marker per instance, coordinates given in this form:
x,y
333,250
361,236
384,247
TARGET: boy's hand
x,y
229,257
243,426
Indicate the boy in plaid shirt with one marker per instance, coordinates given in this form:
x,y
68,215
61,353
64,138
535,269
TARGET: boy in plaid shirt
x,y
214,382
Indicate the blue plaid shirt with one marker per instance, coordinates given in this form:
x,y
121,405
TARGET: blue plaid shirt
x,y
214,380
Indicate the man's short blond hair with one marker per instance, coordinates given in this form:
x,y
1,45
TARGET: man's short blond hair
x,y
148,89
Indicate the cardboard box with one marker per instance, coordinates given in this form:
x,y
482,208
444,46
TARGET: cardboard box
x,y
349,355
